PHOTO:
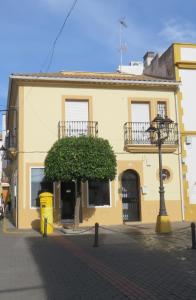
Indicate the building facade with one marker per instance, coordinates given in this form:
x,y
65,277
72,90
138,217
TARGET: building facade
x,y
4,181
179,62
114,106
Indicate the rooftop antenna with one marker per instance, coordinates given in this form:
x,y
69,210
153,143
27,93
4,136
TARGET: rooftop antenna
x,y
123,45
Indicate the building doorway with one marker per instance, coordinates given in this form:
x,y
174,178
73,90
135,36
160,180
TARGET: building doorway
x,y
67,200
130,196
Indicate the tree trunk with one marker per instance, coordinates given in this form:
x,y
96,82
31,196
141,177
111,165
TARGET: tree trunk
x,y
77,205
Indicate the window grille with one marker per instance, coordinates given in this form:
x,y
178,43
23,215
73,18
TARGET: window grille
x,y
161,109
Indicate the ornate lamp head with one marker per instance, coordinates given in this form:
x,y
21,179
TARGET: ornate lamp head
x,y
158,119
152,130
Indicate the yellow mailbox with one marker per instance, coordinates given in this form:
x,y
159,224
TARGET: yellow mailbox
x,y
46,212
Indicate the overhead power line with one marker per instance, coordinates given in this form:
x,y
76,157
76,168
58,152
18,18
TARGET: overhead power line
x,y
50,57
51,53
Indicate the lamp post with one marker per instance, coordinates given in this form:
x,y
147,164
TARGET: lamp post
x,y
159,131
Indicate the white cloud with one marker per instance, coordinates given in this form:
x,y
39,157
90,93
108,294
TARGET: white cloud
x,y
178,31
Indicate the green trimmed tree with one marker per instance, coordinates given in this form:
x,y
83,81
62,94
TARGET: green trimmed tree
x,y
80,158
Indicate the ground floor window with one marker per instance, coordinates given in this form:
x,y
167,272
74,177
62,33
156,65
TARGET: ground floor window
x,y
98,193
37,176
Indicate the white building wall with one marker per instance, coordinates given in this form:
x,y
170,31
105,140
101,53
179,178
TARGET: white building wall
x,y
3,127
188,54
2,142
188,89
191,163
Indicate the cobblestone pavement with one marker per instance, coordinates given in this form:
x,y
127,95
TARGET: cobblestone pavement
x,y
131,262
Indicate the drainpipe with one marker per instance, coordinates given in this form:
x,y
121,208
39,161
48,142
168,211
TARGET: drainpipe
x,y
180,159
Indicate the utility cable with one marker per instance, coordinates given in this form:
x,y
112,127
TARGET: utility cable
x,y
51,58
58,36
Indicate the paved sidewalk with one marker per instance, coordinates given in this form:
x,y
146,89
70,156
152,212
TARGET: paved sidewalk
x,y
132,262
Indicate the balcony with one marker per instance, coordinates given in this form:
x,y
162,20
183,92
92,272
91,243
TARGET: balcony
x,y
136,139
77,128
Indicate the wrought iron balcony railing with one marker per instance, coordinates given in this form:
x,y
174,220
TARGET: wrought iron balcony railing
x,y
77,128
135,134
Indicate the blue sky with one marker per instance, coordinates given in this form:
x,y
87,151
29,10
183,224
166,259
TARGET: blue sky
x,y
90,39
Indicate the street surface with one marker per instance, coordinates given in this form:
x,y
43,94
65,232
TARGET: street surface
x,y
131,262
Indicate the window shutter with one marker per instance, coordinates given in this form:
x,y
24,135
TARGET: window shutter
x,y
76,110
140,112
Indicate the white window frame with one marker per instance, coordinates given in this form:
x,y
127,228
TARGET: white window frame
x,y
99,206
41,167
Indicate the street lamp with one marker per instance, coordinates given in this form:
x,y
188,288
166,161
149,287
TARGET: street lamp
x,y
159,131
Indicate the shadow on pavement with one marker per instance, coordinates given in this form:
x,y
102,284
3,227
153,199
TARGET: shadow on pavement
x,y
132,262
64,274
126,266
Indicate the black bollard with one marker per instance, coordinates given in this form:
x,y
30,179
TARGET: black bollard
x,y
45,228
96,241
193,235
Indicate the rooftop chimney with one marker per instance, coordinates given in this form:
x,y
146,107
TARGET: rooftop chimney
x,y
148,57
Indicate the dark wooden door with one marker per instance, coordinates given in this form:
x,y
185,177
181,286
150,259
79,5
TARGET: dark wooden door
x,y
130,196
67,199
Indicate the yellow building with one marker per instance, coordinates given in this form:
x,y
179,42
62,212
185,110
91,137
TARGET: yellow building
x,y
178,62
114,106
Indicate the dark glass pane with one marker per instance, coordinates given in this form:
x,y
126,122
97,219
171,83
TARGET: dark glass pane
x,y
130,196
37,175
99,193
129,175
129,186
161,109
46,186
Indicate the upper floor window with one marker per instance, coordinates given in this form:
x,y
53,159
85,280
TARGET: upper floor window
x,y
140,112
162,109
140,117
76,110
76,115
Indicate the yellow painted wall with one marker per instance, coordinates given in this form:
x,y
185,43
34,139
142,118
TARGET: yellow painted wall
x,y
43,110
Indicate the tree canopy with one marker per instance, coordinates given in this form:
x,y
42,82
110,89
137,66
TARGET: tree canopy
x,y
82,158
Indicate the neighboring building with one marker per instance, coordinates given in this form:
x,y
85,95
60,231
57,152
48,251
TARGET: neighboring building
x,y
1,143
179,62
4,181
114,106
134,68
